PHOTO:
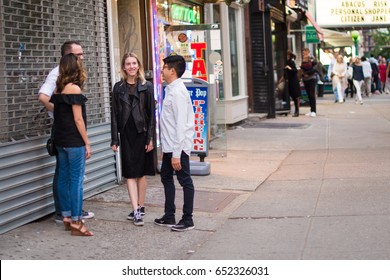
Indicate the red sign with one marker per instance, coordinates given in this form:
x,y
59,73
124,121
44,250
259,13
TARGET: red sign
x,y
199,64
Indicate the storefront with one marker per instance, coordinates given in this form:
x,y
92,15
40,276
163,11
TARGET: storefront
x,y
268,28
232,103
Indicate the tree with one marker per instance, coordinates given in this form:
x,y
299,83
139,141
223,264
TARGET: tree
x,y
381,37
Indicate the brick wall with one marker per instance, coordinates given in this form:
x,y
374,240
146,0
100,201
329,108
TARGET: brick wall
x,y
31,34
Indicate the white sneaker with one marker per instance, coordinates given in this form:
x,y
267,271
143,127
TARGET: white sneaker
x,y
313,114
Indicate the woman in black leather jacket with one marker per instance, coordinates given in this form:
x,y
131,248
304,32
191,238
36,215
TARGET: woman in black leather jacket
x,y
133,129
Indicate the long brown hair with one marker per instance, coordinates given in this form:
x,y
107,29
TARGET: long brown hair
x,y
71,70
140,72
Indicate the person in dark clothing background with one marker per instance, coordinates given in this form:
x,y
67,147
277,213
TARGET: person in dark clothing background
x,y
309,77
291,77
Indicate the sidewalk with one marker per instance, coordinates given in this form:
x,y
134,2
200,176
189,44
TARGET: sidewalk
x,y
286,188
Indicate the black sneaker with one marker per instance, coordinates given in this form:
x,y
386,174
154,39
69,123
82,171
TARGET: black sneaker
x,y
131,215
165,222
88,214
59,219
137,220
183,226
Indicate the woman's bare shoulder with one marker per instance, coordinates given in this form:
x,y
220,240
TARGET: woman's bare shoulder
x,y
71,89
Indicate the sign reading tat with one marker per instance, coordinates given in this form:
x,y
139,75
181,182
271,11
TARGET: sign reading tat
x,y
199,64
352,13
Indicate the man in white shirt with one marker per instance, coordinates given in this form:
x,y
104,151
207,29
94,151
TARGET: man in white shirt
x,y
45,92
177,130
367,72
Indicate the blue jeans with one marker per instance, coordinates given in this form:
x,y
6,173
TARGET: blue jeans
x,y
71,164
185,180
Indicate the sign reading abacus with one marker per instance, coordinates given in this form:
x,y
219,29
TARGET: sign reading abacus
x,y
338,13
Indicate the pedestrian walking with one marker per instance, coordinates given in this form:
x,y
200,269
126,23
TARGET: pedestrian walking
x,y
177,130
358,79
382,74
367,72
387,84
291,77
339,80
351,87
133,130
309,77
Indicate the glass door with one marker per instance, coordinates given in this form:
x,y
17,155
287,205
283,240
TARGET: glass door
x,y
201,48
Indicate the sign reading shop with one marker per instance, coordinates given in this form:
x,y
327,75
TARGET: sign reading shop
x,y
352,13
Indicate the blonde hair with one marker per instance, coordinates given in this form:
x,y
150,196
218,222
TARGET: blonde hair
x,y
140,73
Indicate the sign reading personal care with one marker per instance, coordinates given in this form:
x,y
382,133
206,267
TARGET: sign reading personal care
x,y
336,13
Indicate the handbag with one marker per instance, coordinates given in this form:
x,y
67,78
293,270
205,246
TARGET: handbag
x,y
50,146
281,84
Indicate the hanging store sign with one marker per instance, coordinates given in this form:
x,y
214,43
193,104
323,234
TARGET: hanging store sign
x,y
336,13
311,34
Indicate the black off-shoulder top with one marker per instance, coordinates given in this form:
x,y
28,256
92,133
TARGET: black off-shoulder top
x,y
66,133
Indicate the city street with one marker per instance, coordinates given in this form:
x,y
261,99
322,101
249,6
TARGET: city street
x,y
286,189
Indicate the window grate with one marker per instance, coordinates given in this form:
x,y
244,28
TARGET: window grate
x,y
31,35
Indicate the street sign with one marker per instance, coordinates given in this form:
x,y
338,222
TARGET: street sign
x,y
311,34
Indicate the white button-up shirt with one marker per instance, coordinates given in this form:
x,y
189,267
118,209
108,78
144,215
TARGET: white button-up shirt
x,y
49,86
177,120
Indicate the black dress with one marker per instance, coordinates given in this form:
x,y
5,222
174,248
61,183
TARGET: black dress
x,y
136,162
294,89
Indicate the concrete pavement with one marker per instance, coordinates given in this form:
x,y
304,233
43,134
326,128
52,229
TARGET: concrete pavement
x,y
284,188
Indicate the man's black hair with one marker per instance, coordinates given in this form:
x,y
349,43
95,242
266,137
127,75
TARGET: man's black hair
x,y
177,62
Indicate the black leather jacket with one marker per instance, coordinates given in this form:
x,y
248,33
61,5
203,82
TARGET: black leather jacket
x,y
142,110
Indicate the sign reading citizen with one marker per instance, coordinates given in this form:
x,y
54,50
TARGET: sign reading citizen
x,y
352,13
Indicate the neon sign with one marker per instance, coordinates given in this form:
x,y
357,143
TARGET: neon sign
x,y
185,14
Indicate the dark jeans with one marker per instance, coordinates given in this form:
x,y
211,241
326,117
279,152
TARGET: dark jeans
x,y
351,88
310,87
185,180
57,205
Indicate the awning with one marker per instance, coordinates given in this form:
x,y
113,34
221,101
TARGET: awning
x,y
336,38
320,33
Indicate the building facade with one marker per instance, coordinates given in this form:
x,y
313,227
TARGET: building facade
x,y
31,34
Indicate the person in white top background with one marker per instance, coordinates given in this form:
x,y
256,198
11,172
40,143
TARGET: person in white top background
x,y
339,79
44,95
367,72
177,130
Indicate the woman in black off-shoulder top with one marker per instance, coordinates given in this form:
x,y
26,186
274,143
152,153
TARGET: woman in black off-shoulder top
x,y
71,140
